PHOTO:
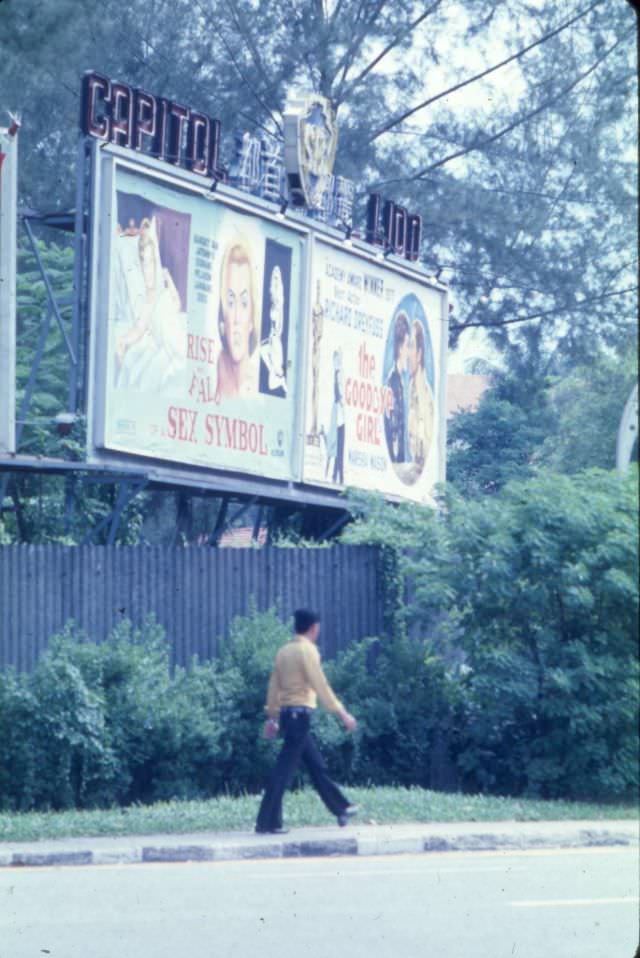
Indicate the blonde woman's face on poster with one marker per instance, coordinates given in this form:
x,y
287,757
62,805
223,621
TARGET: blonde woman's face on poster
x,y
238,318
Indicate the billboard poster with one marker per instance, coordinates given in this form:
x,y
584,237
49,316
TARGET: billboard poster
x,y
198,337
8,227
373,418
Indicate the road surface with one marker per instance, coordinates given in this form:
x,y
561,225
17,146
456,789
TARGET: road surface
x,y
541,904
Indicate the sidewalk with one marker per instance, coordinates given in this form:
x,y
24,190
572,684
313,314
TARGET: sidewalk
x,y
308,842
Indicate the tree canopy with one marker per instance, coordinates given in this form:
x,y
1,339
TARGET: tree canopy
x,y
509,126
524,176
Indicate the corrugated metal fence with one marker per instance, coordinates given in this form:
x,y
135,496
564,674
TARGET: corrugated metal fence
x,y
194,593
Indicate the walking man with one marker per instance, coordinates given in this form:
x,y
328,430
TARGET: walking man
x,y
297,682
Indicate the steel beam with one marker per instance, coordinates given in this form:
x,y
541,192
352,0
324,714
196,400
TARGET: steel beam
x,y
127,491
79,247
257,525
50,293
214,538
335,527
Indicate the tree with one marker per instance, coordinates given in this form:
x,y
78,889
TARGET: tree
x,y
588,403
501,439
527,193
533,228
566,421
491,446
527,196
538,587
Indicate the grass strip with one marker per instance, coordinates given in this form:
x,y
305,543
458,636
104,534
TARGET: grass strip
x,y
226,813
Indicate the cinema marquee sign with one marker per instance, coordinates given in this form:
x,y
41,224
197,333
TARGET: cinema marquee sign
x,y
117,113
249,329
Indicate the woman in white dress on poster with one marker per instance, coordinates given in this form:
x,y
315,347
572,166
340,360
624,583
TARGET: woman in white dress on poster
x,y
152,351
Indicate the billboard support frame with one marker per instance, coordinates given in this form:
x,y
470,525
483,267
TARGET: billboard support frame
x,y
128,489
53,302
78,377
8,285
132,474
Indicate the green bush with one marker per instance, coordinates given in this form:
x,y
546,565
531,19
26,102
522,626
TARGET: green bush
x,y
18,710
538,587
550,632
242,673
70,744
99,724
405,702
162,728
527,684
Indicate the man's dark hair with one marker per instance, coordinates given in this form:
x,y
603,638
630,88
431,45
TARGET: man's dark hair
x,y
400,333
304,620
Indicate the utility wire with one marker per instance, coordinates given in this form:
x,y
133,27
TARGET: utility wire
x,y
479,76
524,118
244,79
567,308
344,93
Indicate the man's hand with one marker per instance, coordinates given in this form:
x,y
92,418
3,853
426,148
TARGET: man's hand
x,y
271,729
348,720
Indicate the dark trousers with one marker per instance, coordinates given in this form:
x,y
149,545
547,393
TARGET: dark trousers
x,y
299,746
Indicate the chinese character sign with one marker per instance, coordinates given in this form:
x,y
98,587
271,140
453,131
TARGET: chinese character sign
x,y
258,167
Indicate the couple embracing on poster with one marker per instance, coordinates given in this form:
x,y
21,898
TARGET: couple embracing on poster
x,y
409,421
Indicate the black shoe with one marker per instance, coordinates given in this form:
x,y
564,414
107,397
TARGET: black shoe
x,y
272,831
348,813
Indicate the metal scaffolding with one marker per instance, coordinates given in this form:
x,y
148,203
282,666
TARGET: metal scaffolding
x,y
262,502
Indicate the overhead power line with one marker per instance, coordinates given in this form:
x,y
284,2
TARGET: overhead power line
x,y
479,76
565,308
344,93
524,118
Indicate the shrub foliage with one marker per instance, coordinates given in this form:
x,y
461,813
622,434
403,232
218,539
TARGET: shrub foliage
x,y
510,668
531,597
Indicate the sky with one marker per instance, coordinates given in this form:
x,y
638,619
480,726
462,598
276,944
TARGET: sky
x,y
459,60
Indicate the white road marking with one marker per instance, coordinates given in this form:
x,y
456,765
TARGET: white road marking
x,y
369,872
572,902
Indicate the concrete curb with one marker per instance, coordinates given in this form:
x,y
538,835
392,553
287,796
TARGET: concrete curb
x,y
322,842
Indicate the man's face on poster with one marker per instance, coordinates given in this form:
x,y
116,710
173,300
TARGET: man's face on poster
x,y
403,354
238,318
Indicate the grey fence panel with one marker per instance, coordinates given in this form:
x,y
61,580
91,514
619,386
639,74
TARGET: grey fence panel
x,y
193,593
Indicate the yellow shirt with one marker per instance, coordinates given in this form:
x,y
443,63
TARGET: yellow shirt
x,y
297,679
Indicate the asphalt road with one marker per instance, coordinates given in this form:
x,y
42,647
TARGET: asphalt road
x,y
543,904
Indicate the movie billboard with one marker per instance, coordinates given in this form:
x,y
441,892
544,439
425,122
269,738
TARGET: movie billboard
x,y
198,338
373,415
8,226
